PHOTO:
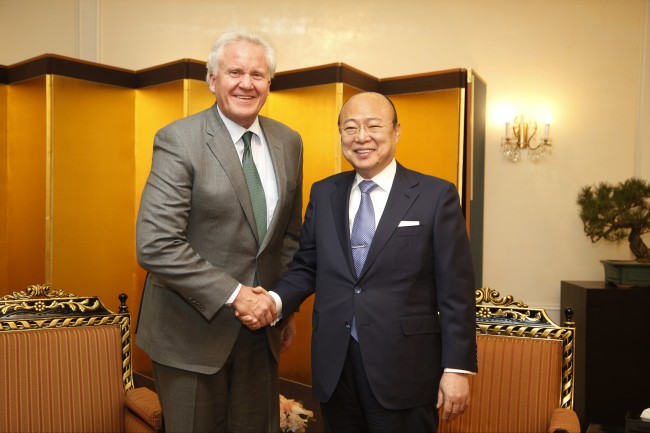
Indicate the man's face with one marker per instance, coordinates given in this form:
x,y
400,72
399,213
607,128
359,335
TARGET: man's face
x,y
242,83
368,136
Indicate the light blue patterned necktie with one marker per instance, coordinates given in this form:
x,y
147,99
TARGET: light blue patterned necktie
x,y
363,230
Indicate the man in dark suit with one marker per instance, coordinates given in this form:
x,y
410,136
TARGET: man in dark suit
x,y
212,225
393,320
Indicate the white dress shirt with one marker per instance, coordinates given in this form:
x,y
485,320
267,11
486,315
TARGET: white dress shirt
x,y
263,163
379,195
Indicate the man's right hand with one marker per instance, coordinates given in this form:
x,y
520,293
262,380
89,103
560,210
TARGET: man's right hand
x,y
254,307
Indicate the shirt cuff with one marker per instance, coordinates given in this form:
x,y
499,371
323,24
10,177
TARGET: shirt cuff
x,y
278,306
232,297
455,370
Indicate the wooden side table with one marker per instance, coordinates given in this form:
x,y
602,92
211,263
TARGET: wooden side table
x,y
612,349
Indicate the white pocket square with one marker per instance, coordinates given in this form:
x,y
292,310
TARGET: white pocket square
x,y
408,223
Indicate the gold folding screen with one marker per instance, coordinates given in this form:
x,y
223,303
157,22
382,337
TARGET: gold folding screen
x,y
90,176
430,133
312,111
25,194
3,185
78,144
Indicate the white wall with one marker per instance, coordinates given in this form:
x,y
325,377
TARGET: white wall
x,y
585,61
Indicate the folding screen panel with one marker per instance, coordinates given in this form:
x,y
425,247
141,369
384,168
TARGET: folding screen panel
x,y
312,111
26,187
3,186
430,133
91,178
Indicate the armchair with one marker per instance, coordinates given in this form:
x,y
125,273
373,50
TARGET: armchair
x,y
65,366
525,371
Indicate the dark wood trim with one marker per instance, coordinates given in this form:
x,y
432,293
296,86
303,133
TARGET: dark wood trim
x,y
72,68
450,79
475,130
194,69
358,79
326,74
179,70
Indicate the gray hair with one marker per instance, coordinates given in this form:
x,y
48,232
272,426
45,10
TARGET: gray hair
x,y
239,35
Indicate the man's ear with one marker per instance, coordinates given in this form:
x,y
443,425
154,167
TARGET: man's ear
x,y
212,85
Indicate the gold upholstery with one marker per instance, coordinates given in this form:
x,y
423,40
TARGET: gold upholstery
x,y
525,378
65,366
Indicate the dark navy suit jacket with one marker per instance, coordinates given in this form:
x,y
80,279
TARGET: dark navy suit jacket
x,y
414,301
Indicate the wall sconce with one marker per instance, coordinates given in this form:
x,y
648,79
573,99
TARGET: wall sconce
x,y
523,137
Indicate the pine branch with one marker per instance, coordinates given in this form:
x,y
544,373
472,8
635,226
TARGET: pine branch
x,y
614,213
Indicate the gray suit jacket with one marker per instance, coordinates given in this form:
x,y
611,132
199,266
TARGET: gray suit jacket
x,y
196,236
413,302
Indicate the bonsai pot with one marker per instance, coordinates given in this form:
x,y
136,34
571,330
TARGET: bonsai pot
x,y
627,272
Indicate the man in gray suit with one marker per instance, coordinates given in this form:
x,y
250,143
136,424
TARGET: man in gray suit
x,y
212,225
386,253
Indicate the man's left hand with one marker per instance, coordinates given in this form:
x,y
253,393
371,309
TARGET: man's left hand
x,y
453,395
287,332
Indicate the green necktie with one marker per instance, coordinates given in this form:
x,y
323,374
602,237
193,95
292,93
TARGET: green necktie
x,y
255,188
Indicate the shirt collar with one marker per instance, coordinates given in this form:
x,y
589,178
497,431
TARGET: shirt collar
x,y
236,131
383,179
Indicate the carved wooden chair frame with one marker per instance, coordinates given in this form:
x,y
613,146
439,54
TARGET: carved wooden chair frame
x,y
505,316
40,307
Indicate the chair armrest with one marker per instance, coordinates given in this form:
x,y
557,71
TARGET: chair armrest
x,y
145,404
564,420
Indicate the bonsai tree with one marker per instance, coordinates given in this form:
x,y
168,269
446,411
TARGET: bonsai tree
x,y
616,212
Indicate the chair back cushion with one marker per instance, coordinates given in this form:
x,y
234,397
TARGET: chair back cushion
x,y
65,379
517,387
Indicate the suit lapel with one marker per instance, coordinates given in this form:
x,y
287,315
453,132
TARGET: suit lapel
x,y
277,156
401,198
340,201
220,144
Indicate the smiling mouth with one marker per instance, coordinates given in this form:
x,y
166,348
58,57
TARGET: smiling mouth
x,y
363,151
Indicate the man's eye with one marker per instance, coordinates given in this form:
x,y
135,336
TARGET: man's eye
x,y
375,128
234,74
350,130
257,76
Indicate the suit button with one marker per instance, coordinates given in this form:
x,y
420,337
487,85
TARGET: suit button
x,y
347,325
357,290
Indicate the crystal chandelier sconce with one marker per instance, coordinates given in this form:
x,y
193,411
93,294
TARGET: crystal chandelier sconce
x,y
522,135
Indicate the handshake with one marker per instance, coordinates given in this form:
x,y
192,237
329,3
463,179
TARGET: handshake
x,y
255,307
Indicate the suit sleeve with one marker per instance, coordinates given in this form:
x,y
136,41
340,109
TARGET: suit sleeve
x,y
454,276
292,234
161,229
299,281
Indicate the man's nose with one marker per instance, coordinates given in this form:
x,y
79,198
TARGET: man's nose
x,y
362,134
246,81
